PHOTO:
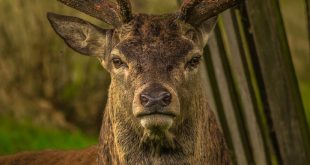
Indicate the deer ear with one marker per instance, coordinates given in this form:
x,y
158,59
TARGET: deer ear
x,y
80,35
205,29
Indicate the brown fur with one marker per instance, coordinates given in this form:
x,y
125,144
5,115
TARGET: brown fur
x,y
78,157
156,52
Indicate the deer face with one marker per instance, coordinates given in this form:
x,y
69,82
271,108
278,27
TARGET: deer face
x,y
153,60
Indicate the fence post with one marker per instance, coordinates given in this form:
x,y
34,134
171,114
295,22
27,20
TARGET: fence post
x,y
282,98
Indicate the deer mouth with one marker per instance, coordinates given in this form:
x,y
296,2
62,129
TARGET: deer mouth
x,y
159,113
156,120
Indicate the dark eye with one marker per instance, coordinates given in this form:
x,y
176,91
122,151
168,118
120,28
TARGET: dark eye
x,y
193,63
117,62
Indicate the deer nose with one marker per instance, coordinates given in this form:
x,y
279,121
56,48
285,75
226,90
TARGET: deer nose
x,y
161,98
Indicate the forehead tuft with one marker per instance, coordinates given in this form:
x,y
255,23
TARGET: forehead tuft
x,y
154,36
146,26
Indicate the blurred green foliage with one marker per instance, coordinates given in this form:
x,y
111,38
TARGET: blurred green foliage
x,y
305,91
295,20
25,135
40,76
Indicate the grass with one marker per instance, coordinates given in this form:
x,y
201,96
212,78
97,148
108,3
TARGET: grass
x,y
21,136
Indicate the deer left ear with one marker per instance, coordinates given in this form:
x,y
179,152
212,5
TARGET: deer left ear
x,y
80,35
205,29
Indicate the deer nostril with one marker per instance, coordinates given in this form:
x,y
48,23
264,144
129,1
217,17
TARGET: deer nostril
x,y
166,98
144,99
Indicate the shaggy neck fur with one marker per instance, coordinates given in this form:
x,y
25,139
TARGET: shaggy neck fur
x,y
197,140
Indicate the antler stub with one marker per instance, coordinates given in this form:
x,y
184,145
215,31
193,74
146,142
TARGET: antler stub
x,y
196,11
104,10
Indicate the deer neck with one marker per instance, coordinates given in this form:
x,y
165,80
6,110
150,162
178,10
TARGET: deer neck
x,y
198,138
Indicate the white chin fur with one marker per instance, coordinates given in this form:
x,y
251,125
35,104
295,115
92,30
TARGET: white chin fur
x,y
161,122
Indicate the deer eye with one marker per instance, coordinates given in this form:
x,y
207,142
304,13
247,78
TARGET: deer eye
x,y
118,63
193,63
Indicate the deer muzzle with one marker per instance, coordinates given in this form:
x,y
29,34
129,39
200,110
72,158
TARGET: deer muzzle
x,y
156,106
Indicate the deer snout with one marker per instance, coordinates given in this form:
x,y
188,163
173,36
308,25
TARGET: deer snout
x,y
156,105
159,97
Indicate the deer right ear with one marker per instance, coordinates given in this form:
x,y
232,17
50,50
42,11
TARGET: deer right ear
x,y
202,14
80,35
205,29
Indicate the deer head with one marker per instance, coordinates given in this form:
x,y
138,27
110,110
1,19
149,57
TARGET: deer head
x,y
153,60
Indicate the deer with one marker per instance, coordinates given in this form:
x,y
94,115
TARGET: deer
x,y
157,110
